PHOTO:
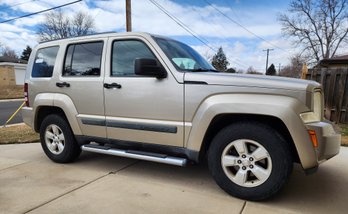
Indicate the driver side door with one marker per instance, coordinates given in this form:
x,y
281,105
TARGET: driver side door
x,y
141,109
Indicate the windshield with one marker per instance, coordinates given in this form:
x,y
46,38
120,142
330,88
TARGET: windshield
x,y
183,56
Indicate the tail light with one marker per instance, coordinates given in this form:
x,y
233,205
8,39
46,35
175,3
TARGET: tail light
x,y
26,94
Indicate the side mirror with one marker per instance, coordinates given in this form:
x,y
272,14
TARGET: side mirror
x,y
149,67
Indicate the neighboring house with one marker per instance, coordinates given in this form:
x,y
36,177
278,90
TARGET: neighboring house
x,y
334,62
12,71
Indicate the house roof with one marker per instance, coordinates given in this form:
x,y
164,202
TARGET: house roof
x,y
11,59
343,59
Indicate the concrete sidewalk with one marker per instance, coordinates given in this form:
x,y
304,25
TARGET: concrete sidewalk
x,y
30,182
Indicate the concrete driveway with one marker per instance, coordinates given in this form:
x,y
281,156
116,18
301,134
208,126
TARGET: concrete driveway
x,y
29,182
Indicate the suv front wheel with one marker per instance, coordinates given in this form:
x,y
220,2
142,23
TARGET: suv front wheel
x,y
57,139
250,160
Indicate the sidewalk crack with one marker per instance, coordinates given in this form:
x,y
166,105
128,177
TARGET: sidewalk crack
x,y
13,166
243,207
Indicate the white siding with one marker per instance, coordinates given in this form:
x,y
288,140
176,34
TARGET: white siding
x,y
20,74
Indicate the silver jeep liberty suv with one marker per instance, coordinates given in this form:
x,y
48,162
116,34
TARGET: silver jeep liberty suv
x,y
153,98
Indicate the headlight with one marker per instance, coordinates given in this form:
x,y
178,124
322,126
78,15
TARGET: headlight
x,y
316,114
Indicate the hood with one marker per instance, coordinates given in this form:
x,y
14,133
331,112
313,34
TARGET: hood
x,y
249,80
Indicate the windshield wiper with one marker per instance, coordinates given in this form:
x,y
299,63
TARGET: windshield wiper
x,y
204,70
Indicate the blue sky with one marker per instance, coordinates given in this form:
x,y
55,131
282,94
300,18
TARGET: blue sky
x,y
243,49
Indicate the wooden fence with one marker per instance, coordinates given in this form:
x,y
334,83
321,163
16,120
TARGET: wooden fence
x,y
335,85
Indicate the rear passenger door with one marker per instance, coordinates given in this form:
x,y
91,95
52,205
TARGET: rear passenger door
x,y
141,109
82,80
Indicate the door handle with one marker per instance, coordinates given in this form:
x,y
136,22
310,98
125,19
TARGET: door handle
x,y
62,84
112,85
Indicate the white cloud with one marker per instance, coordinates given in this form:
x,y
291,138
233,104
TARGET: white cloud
x,y
29,21
242,48
242,56
205,21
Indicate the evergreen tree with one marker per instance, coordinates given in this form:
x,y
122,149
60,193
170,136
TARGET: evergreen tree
x,y
219,61
26,53
271,70
231,70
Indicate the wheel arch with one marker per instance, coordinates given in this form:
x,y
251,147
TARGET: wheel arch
x,y
222,120
54,103
44,111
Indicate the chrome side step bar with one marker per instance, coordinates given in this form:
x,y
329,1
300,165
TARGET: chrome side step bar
x,y
148,156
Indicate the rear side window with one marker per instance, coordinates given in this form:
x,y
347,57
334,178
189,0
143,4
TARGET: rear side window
x,y
83,59
44,62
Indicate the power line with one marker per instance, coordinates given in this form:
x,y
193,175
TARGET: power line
x,y
233,11
240,25
41,11
185,27
182,25
236,60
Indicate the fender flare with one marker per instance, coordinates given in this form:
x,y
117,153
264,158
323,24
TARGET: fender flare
x,y
61,101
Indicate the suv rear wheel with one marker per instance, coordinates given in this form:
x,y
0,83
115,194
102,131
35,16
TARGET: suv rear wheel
x,y
57,139
250,160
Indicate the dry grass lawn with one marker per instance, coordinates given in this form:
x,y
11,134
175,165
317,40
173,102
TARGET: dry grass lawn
x,y
344,131
18,134
11,92
344,141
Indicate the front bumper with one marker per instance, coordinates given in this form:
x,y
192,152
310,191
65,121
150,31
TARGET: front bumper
x,y
329,141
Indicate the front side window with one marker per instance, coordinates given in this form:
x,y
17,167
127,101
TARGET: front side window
x,y
124,53
83,59
44,62
183,56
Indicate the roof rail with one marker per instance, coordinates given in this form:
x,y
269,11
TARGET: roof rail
x,y
93,34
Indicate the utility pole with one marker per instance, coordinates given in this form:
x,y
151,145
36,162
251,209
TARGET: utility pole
x,y
128,16
279,69
267,57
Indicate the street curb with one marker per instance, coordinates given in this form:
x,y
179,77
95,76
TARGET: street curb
x,y
11,100
16,124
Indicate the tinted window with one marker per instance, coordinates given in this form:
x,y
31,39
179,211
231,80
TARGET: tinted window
x,y
83,59
44,62
123,55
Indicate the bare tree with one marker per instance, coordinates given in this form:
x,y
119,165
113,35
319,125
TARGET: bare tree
x,y
58,25
208,56
82,24
251,70
240,71
320,26
294,69
8,52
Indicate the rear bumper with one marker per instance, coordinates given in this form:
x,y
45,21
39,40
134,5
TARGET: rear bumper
x,y
329,141
27,115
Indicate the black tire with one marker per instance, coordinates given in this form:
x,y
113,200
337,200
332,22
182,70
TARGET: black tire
x,y
71,149
278,150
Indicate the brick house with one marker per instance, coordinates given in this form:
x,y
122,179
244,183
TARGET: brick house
x,y
12,71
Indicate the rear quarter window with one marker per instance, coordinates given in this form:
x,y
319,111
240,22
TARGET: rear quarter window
x,y
44,62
